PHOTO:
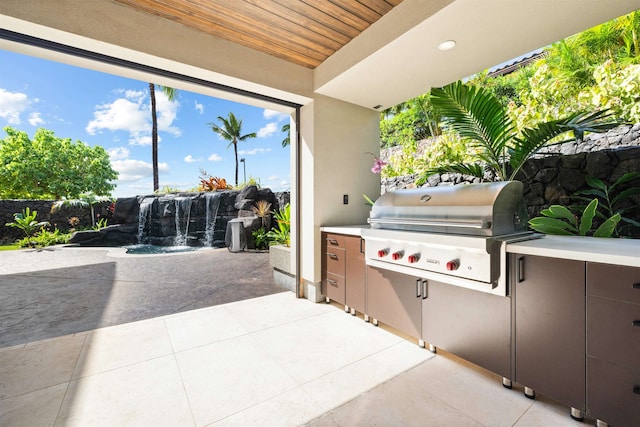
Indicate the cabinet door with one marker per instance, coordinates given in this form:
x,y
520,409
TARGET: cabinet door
x,y
550,347
614,393
355,274
392,299
471,324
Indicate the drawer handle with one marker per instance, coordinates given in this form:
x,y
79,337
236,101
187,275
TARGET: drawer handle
x,y
636,389
332,282
636,323
332,256
334,242
418,288
636,285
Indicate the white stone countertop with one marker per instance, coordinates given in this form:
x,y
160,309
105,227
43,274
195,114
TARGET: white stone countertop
x,y
350,230
593,249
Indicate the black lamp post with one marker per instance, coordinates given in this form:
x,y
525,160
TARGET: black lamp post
x,y
244,169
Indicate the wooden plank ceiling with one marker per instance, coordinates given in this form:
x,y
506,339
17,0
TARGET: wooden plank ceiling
x,y
305,32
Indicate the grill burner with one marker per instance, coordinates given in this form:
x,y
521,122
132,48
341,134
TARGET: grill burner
x,y
454,234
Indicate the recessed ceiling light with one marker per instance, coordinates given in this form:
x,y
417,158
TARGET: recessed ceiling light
x,y
447,45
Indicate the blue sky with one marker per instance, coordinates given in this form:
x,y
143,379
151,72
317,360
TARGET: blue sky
x,y
114,112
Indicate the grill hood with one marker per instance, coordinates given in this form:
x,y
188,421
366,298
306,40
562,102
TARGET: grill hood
x,y
485,209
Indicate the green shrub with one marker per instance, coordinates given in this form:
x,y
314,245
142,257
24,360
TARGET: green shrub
x,y
281,233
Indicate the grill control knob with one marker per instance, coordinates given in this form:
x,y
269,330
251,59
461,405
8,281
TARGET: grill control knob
x,y
453,265
413,258
396,255
382,253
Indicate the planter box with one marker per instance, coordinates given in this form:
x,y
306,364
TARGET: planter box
x,y
280,260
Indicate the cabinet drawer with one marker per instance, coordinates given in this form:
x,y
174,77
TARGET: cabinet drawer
x,y
335,260
335,288
613,395
611,331
335,241
614,281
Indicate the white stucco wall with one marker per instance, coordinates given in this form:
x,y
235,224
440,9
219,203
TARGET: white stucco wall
x,y
337,138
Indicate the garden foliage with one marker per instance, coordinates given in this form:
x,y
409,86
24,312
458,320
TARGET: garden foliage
x,y
48,167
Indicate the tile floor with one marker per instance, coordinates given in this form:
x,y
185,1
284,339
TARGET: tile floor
x,y
269,361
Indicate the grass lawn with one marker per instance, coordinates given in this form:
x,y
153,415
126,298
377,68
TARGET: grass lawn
x,y
9,247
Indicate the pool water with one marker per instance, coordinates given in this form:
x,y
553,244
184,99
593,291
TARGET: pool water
x,y
154,249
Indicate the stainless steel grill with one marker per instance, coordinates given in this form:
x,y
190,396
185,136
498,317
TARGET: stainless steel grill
x,y
454,234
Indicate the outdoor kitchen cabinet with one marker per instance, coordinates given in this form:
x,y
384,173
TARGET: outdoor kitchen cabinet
x,y
395,299
471,324
613,343
334,249
549,328
356,284
343,270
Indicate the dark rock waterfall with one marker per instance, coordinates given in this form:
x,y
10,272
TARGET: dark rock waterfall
x,y
181,219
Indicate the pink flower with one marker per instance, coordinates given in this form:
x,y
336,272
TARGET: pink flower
x,y
378,165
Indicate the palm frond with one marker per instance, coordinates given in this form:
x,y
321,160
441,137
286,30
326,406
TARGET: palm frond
x,y
475,114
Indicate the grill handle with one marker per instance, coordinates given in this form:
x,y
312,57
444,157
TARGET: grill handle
x,y
432,223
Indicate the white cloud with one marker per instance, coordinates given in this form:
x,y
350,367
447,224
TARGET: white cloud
x,y
268,130
273,178
199,107
118,153
277,115
133,114
35,119
253,151
167,112
191,159
121,114
12,105
134,170
140,139
214,157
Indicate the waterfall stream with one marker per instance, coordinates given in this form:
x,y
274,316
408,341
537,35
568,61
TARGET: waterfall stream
x,y
143,216
182,218
212,206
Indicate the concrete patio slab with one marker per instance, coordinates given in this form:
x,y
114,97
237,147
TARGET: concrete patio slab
x,y
64,290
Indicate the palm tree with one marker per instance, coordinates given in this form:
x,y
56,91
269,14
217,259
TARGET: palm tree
x,y
477,115
231,130
171,94
84,200
286,128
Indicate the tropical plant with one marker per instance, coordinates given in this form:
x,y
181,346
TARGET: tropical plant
x,y
613,199
44,238
26,221
213,183
167,189
171,94
102,223
260,238
262,209
84,200
478,117
231,130
286,129
48,167
560,220
281,233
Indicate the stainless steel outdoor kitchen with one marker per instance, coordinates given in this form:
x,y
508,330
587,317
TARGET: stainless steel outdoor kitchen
x,y
456,268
